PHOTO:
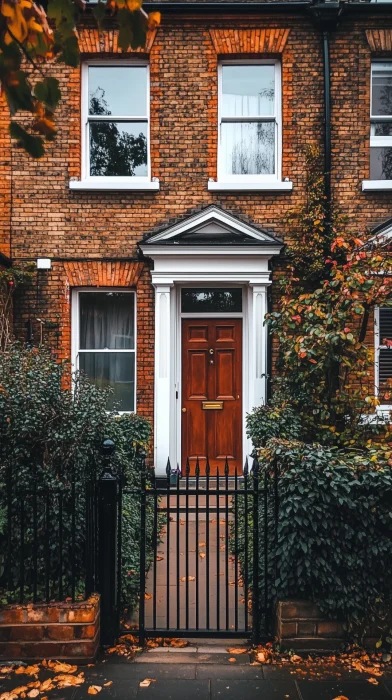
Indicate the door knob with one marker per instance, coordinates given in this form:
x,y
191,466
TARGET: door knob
x,y
184,410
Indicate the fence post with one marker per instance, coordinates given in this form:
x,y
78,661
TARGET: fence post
x,y
142,561
107,548
255,576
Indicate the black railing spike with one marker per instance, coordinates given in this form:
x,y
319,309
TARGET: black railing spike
x,y
168,468
226,467
207,467
197,468
255,466
188,467
246,467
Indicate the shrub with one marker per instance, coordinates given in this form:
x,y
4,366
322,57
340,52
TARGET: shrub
x,y
51,435
277,419
333,540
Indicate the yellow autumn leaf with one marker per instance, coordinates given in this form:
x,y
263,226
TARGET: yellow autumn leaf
x,y
147,682
237,650
94,689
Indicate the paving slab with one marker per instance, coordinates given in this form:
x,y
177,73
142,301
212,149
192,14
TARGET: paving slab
x,y
312,672
250,690
232,671
190,658
119,690
140,671
175,690
354,690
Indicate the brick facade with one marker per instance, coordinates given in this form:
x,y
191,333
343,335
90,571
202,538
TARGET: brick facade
x,y
92,236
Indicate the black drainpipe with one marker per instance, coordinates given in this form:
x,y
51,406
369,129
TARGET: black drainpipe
x,y
325,14
327,125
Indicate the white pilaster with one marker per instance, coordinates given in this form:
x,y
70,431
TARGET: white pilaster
x,y
162,377
258,369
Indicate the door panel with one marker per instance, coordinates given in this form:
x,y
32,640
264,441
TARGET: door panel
x,y
212,371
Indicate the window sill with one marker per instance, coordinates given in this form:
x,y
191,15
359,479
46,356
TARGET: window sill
x,y
113,185
254,186
376,185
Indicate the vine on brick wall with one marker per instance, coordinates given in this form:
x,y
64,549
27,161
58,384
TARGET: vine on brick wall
x,y
10,279
332,283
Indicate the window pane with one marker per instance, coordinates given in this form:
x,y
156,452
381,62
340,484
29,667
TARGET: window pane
x,y
248,148
381,163
382,88
201,300
385,324
382,129
115,370
107,320
118,148
248,91
118,90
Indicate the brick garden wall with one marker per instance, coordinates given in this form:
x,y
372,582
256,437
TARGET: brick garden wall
x,y
68,631
300,625
47,219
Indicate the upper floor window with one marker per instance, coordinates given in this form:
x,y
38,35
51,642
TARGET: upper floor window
x,y
115,121
383,348
249,121
381,121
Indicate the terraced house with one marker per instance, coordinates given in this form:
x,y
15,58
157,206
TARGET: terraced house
x,y
158,217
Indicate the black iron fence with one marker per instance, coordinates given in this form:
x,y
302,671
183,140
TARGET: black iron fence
x,y
201,566
207,574
48,538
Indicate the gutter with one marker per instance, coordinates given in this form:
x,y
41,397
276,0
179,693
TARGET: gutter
x,y
257,8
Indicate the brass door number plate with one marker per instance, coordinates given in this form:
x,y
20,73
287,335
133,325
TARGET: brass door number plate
x,y
212,405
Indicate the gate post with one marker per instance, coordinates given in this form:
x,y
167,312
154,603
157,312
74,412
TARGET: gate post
x,y
107,547
255,567
142,561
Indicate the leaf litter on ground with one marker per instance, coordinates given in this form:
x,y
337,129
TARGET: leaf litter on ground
x,y
354,659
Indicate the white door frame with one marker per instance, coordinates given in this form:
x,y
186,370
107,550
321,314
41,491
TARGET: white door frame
x,y
252,274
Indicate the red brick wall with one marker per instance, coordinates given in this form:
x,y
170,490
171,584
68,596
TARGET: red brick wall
x,y
49,220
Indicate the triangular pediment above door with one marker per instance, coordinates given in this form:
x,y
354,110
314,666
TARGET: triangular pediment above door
x,y
210,227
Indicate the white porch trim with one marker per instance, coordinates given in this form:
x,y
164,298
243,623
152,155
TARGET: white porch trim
x,y
188,261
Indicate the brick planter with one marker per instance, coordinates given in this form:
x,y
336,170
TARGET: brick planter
x,y
300,625
68,631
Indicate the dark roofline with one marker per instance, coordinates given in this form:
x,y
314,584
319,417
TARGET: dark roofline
x,y
5,261
286,6
178,243
380,227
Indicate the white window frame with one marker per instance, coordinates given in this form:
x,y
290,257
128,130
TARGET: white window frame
x,y
75,330
378,141
377,348
86,118
276,118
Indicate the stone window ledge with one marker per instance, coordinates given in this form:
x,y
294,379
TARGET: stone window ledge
x,y
376,185
238,186
112,184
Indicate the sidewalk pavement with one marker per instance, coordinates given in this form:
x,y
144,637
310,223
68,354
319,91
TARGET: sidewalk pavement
x,y
207,674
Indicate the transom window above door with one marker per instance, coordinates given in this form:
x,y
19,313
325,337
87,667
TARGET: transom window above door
x,y
104,342
115,121
249,121
210,300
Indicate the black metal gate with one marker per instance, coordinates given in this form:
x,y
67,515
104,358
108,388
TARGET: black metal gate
x,y
204,570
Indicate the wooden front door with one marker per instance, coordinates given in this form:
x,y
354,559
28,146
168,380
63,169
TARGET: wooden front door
x,y
212,393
